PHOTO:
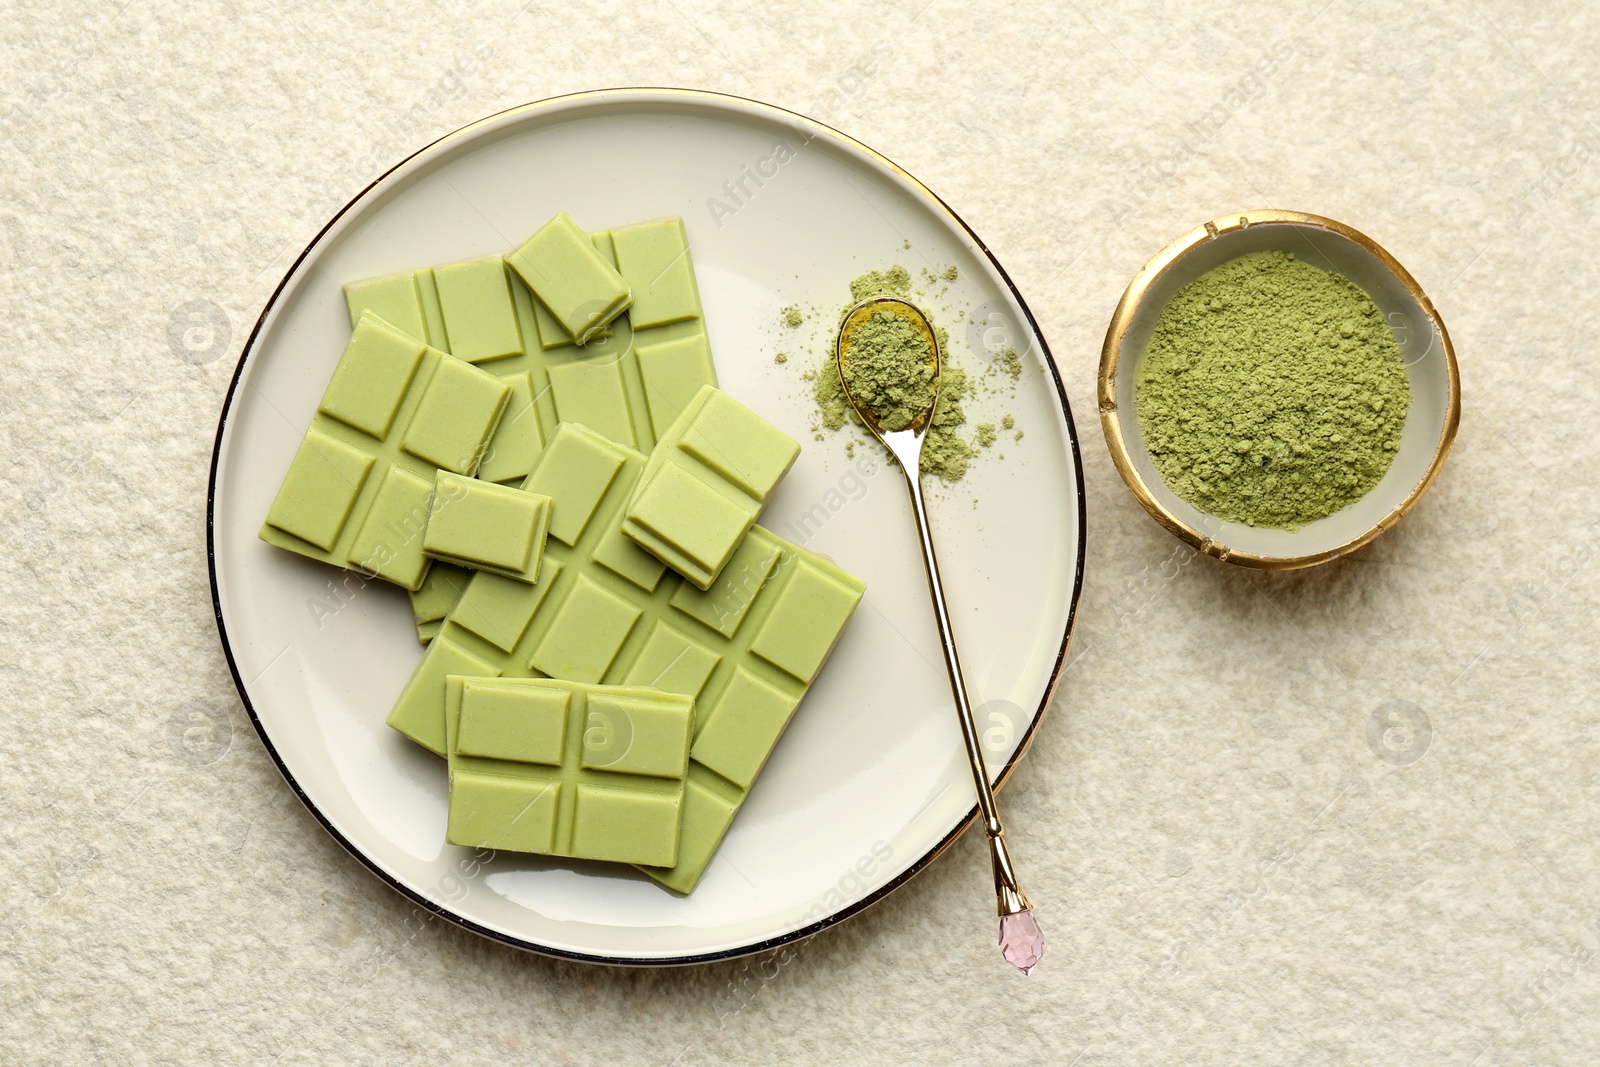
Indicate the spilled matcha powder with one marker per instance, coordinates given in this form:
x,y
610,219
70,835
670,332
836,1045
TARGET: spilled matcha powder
x,y
896,281
1271,393
945,452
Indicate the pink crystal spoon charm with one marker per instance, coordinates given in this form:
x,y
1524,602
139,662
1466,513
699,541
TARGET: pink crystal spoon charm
x,y
1021,942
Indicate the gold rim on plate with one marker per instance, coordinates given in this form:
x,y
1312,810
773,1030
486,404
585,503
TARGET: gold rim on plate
x,y
642,96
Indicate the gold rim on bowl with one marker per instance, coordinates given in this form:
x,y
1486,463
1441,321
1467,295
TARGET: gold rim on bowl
x,y
1111,356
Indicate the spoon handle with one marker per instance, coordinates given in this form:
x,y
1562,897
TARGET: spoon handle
x,y
1009,895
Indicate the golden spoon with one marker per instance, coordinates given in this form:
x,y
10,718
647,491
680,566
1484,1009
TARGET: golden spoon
x,y
1021,942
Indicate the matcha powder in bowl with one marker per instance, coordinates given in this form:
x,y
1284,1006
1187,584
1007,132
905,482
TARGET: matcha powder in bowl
x,y
1271,392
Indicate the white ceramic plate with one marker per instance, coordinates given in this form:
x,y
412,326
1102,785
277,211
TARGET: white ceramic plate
x,y
869,783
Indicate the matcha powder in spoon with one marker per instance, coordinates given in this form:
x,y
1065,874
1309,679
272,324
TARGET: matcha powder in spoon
x,y
1271,393
882,370
891,370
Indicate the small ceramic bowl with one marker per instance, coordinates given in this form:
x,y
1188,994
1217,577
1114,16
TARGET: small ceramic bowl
x,y
1430,425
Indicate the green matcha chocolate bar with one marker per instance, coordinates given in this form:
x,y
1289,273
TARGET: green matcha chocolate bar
x,y
606,611
566,769
391,297
359,490
475,303
572,280
487,527
441,587
653,258
629,385
705,484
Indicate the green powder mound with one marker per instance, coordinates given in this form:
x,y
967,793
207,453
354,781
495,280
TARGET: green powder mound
x,y
828,392
1272,393
792,317
890,371
896,281
945,452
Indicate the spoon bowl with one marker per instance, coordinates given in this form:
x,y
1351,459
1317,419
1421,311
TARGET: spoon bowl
x,y
859,316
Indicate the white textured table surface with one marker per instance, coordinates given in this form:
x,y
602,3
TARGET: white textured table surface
x,y
1229,869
